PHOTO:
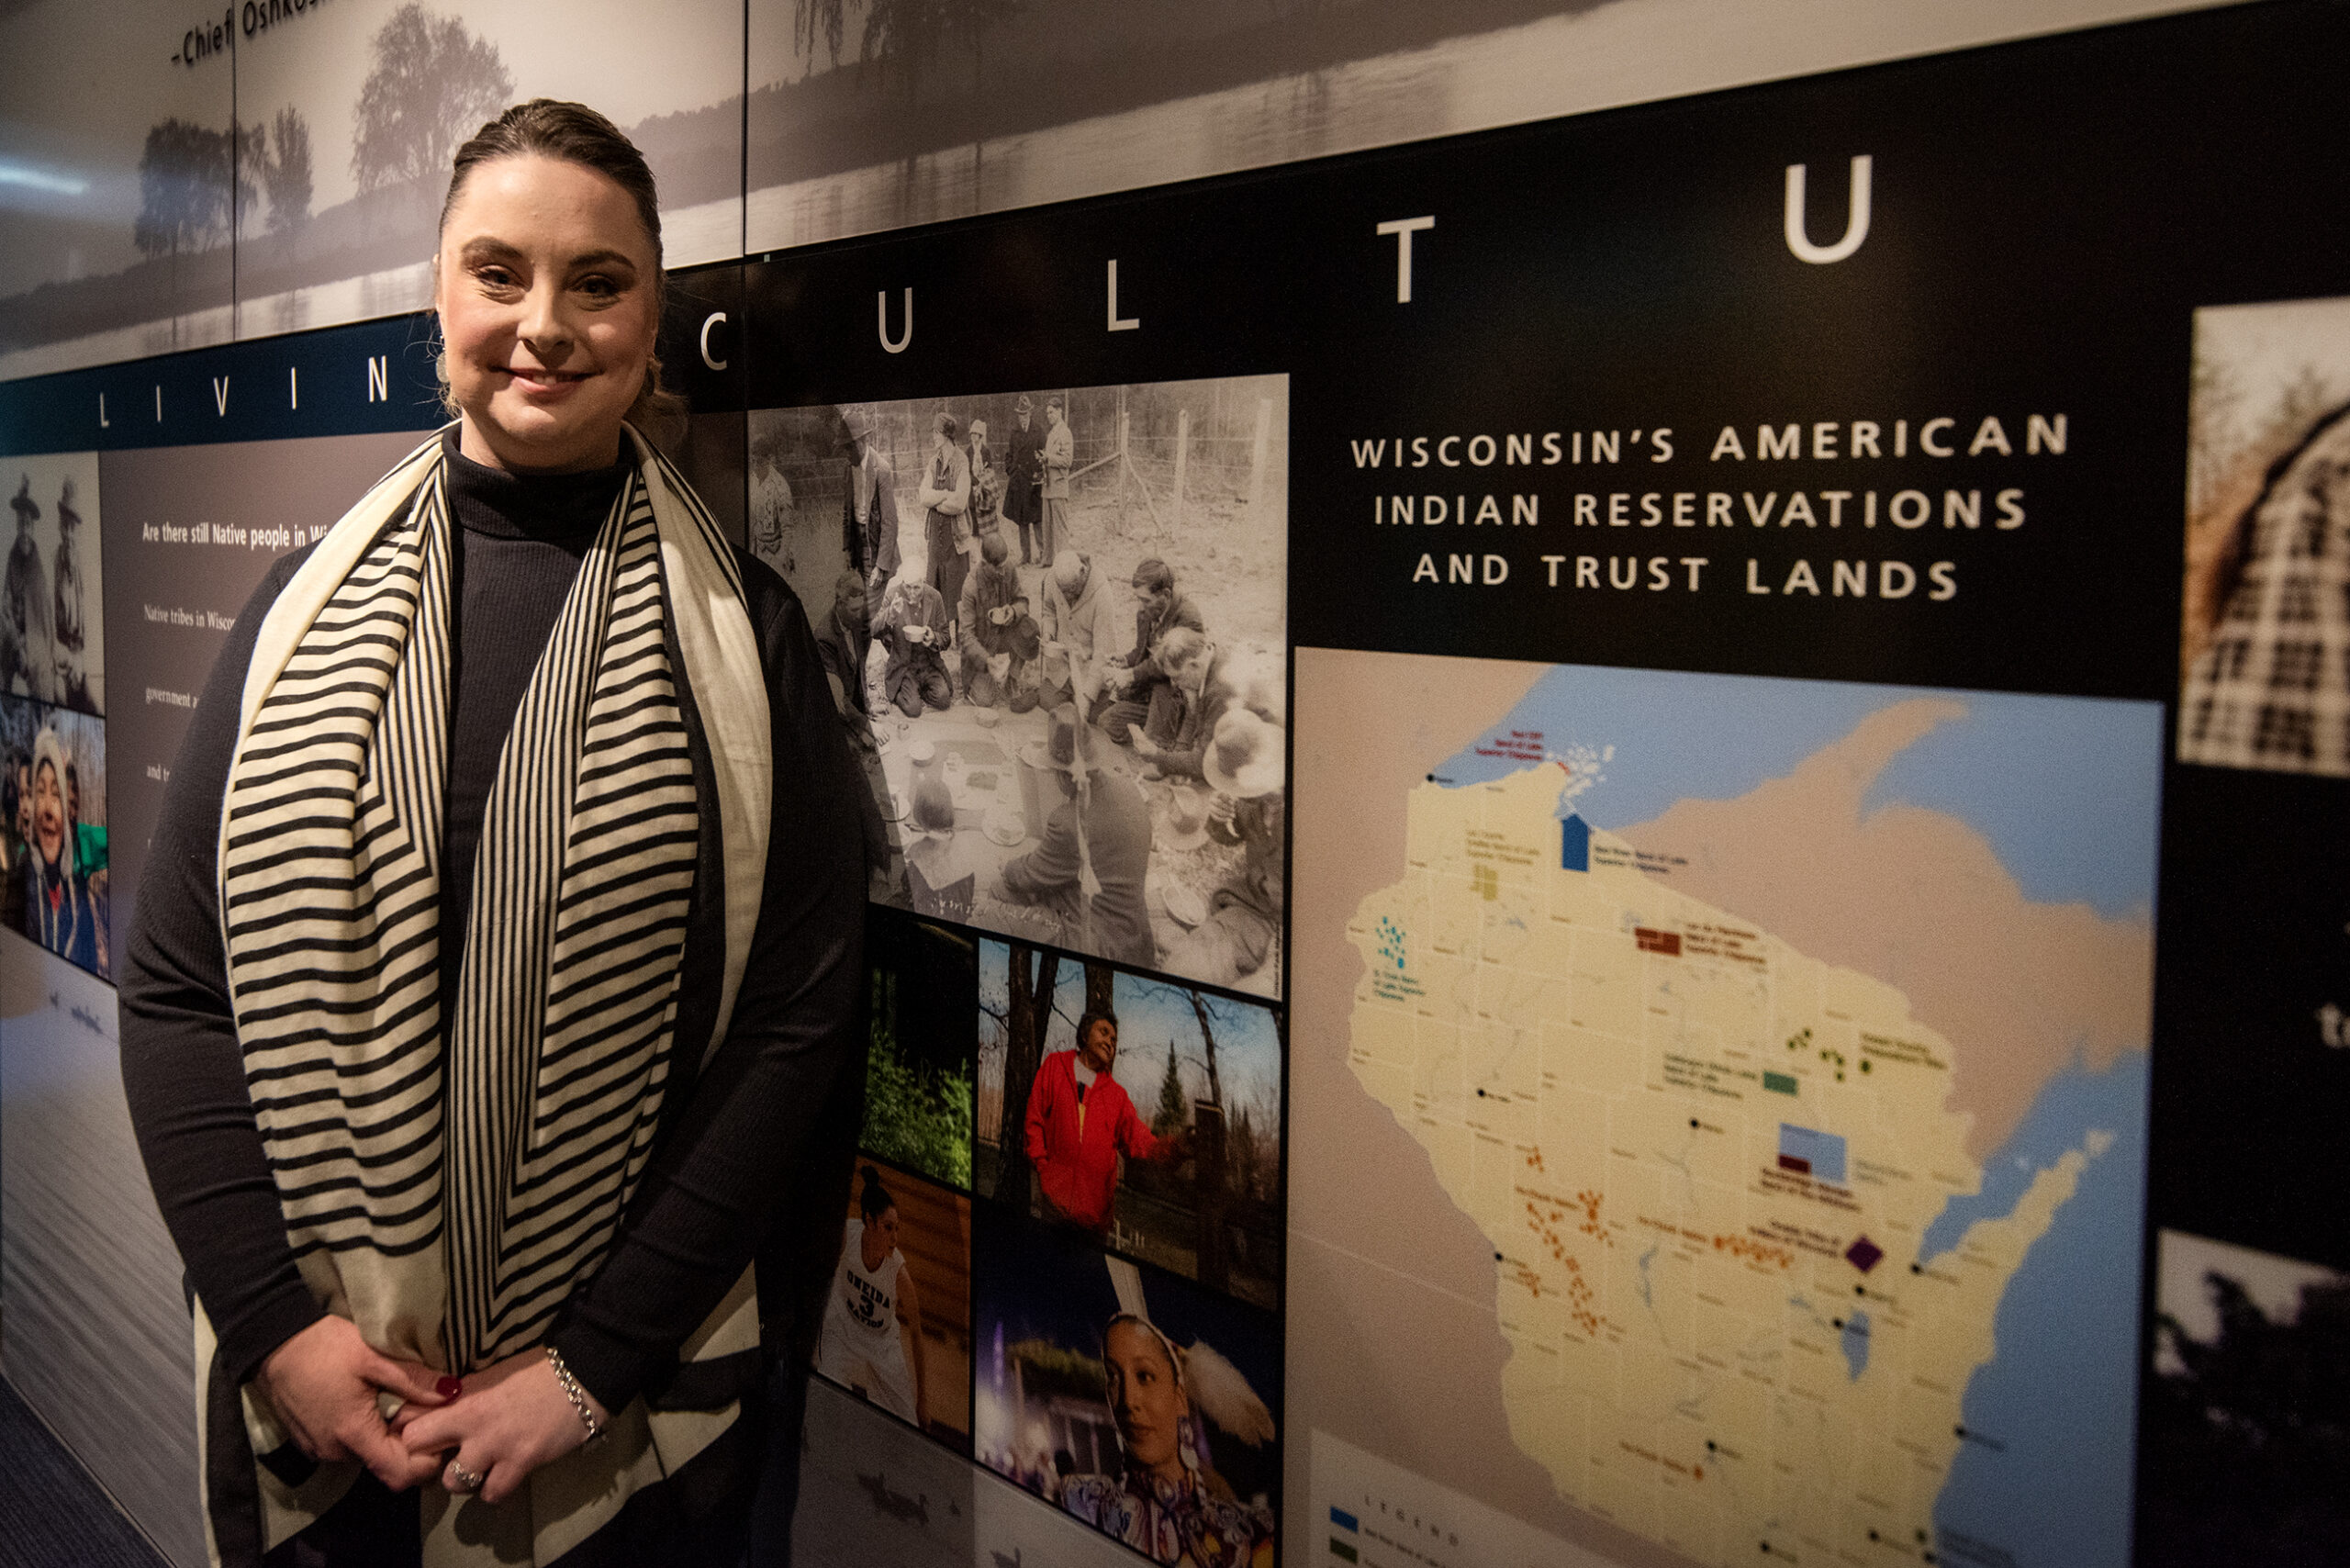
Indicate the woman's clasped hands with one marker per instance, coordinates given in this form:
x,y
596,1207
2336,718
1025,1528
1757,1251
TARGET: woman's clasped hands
x,y
506,1421
485,1433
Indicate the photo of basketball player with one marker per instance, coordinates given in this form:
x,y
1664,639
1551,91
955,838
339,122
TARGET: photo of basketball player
x,y
897,1321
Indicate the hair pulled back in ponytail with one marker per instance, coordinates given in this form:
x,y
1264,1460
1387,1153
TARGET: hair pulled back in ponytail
x,y
875,1200
574,133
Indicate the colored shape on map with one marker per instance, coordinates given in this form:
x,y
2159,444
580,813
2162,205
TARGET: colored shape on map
x,y
1574,844
1863,1254
1344,1520
1665,941
1812,1153
1341,1551
1778,1084
1856,1344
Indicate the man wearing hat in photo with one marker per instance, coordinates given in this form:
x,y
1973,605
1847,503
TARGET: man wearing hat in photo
x,y
913,625
1097,841
939,878
73,682
1243,761
869,508
1024,474
996,637
1060,456
27,648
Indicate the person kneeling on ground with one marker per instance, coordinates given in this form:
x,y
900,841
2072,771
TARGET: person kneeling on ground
x,y
1243,761
1198,693
913,625
999,639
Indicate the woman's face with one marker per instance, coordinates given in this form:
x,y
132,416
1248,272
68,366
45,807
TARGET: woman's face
x,y
48,812
885,1225
544,284
1100,1050
1144,1398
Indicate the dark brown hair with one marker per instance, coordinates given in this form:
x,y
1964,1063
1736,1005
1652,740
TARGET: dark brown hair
x,y
574,133
875,1200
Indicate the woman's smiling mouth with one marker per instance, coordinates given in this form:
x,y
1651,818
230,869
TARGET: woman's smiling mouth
x,y
530,376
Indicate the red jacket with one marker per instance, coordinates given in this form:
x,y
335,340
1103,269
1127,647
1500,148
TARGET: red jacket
x,y
1080,1176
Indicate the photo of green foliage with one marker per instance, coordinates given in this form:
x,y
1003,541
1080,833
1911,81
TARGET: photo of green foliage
x,y
920,1056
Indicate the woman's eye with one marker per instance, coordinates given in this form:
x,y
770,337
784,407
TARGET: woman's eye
x,y
495,277
598,287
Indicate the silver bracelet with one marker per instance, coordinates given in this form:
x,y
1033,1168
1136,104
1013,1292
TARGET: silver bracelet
x,y
573,1391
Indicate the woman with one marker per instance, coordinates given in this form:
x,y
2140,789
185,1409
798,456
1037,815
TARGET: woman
x,y
61,912
525,801
1171,1504
872,1339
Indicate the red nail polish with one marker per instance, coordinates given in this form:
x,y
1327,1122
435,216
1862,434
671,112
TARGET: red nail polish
x,y
448,1387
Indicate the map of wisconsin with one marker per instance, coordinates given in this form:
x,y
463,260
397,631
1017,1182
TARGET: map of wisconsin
x,y
1919,900
1718,1087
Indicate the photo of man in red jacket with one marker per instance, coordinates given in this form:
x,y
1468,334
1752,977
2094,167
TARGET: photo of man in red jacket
x,y
1080,1120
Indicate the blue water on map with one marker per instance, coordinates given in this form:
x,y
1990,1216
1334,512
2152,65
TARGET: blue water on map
x,y
2065,789
2059,1399
1856,1344
1821,1153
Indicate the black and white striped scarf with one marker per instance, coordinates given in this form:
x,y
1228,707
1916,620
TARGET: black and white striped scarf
x,y
448,1180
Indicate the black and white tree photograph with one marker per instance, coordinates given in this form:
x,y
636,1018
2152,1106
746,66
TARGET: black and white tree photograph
x,y
116,167
355,112
2245,1431
868,115
309,180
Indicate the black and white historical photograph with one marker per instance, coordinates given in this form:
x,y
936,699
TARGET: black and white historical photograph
x,y
351,113
116,199
150,189
2265,681
1054,620
865,115
52,615
2244,1456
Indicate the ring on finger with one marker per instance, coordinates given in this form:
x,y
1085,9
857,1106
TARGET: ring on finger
x,y
462,1480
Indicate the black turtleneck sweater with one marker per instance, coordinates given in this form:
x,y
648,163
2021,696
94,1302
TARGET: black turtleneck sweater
x,y
739,1139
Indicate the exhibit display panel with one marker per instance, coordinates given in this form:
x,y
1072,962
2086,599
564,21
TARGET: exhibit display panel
x,y
1694,752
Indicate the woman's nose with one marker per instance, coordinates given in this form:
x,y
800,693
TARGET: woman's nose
x,y
543,326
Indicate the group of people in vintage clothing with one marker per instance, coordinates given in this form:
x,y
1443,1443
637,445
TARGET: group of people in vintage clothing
x,y
965,628
43,634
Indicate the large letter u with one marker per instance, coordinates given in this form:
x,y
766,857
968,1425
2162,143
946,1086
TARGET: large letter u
x,y
881,303
1856,225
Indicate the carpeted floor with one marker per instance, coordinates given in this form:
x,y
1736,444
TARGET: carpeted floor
x,y
51,1514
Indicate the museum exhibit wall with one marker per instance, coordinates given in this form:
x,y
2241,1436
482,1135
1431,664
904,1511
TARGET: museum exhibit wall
x,y
1746,962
